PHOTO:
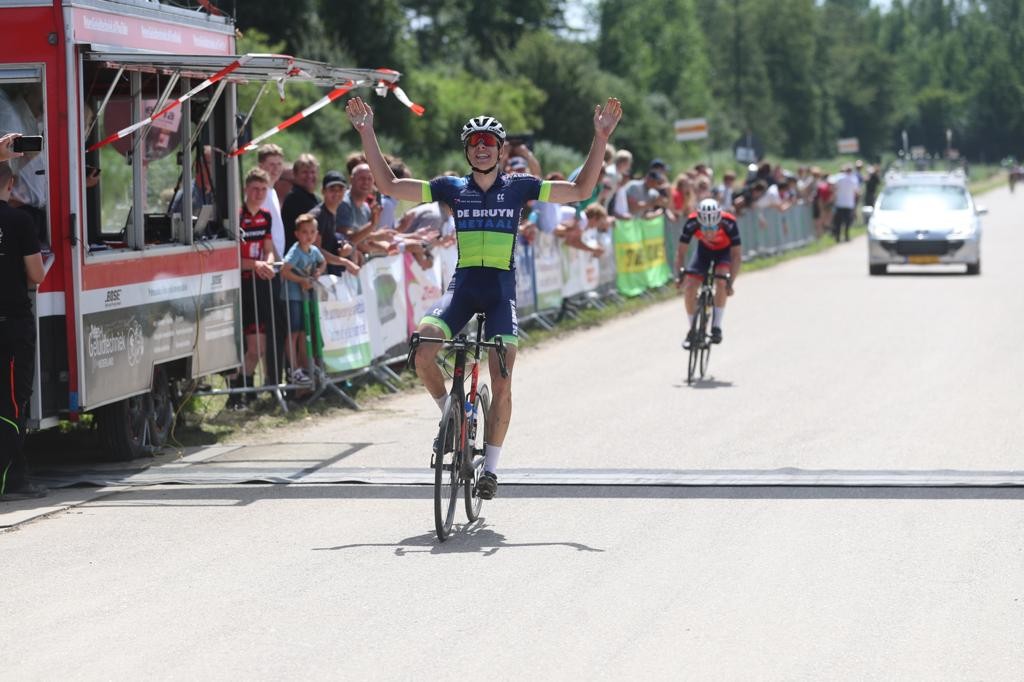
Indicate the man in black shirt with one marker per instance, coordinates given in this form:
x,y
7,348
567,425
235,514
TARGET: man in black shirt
x,y
302,198
21,266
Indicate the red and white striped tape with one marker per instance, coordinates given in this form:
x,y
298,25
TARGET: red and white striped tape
x,y
288,122
324,101
399,93
125,132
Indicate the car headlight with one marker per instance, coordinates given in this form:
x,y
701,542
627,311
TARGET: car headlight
x,y
964,231
880,230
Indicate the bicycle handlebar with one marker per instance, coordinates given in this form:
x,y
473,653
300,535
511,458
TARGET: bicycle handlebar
x,y
685,271
460,341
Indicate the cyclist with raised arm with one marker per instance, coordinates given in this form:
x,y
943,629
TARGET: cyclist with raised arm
x,y
486,205
718,243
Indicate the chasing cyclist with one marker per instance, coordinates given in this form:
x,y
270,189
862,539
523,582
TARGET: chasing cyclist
x,y
718,242
486,204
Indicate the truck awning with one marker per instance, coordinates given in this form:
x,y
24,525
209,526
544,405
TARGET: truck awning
x,y
247,68
252,68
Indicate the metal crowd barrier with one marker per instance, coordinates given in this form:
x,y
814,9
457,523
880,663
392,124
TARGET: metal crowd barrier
x,y
385,301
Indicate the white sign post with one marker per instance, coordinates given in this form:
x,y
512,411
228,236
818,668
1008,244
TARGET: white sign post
x,y
848,145
691,129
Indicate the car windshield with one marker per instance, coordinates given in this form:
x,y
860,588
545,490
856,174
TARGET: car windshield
x,y
924,197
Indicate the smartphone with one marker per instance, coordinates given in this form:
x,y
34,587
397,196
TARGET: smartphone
x,y
27,143
524,139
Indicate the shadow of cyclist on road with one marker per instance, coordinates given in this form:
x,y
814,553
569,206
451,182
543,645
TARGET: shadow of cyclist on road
x,y
471,538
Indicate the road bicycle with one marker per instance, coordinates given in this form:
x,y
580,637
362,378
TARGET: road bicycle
x,y
700,329
457,457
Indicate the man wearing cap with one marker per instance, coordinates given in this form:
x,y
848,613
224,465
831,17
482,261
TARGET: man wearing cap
x,y
332,240
660,166
647,195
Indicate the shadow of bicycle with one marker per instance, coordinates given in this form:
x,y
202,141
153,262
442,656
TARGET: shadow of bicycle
x,y
470,538
704,384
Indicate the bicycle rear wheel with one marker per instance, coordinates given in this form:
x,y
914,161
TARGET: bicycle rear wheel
x,y
474,453
446,471
705,344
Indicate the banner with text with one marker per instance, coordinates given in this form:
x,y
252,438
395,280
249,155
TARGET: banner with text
x,y
383,285
343,326
640,255
422,289
547,263
526,298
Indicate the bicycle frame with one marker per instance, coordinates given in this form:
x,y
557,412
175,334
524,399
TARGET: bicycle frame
x,y
463,347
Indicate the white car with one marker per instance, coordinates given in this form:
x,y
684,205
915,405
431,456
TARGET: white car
x,y
924,219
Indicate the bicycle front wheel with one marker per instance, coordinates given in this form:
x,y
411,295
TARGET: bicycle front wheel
x,y
446,471
695,343
697,332
474,454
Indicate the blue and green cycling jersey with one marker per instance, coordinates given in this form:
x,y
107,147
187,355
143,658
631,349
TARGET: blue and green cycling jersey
x,y
486,223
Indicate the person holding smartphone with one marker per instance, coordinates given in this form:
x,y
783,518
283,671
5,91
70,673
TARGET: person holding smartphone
x,y
21,111
21,266
7,150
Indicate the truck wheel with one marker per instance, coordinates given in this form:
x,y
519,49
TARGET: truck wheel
x,y
974,268
876,269
138,426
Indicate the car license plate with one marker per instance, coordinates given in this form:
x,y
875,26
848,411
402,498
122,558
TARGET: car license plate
x,y
922,260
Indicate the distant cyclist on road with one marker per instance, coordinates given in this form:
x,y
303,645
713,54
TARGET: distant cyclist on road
x,y
718,242
486,205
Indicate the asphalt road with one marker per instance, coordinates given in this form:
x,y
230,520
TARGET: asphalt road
x,y
823,369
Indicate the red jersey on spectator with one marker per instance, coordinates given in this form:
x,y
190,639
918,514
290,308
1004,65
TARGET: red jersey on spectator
x,y
727,234
254,230
825,192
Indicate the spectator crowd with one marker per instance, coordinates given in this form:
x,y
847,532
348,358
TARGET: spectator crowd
x,y
299,222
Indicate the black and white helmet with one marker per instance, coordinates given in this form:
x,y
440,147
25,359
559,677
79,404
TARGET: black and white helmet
x,y
483,124
709,214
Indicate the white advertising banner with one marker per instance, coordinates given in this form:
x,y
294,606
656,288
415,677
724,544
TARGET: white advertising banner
x,y
449,258
572,270
547,261
591,263
343,326
526,300
422,289
606,263
383,286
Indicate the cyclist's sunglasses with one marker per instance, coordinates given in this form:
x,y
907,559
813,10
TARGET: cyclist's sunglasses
x,y
488,139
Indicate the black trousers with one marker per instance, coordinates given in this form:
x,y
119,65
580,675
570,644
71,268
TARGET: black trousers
x,y
17,366
841,221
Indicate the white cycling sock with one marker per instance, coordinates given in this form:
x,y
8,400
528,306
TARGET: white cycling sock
x,y
440,402
692,318
716,317
491,455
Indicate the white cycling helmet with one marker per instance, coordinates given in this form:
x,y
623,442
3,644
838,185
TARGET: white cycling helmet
x,y
709,214
483,124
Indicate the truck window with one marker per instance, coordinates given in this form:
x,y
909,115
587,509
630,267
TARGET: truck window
x,y
22,111
163,150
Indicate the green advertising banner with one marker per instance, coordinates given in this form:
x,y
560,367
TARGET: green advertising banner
x,y
640,255
658,273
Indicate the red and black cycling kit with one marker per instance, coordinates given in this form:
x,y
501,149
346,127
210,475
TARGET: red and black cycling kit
x,y
253,233
713,246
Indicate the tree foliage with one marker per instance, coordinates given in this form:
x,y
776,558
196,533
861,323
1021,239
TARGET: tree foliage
x,y
797,73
